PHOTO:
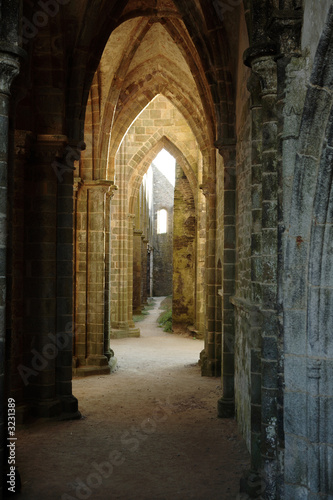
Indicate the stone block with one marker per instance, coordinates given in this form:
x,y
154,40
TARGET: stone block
x,y
229,202
255,389
296,492
295,373
256,197
229,237
64,287
269,296
295,415
257,292
256,161
269,186
269,166
256,269
269,214
64,220
256,244
269,374
269,348
269,136
229,256
269,241
65,235
64,306
255,418
256,220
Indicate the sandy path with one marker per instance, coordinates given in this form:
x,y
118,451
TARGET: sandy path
x,y
149,431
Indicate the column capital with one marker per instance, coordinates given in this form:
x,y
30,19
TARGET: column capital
x,y
266,69
9,66
285,27
102,185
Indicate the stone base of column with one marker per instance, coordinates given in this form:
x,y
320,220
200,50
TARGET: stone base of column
x,y
47,409
226,408
124,333
97,360
95,365
138,310
87,371
70,408
250,484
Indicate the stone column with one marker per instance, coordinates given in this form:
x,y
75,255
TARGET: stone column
x,y
18,347
41,280
107,292
65,328
132,330
252,307
137,271
97,197
207,357
122,324
226,404
265,67
9,69
200,298
144,294
79,288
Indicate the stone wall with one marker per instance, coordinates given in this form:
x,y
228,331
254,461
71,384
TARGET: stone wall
x,y
162,243
183,300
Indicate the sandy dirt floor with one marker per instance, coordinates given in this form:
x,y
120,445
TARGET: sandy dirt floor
x,y
149,431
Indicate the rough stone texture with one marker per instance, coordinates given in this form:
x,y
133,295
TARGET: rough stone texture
x,y
247,206
162,243
183,302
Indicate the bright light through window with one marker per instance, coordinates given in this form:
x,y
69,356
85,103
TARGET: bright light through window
x,y
162,221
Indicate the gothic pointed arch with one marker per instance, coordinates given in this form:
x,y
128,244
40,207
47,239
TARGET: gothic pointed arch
x,y
144,158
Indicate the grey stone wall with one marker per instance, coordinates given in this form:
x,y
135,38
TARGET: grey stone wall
x,y
307,276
